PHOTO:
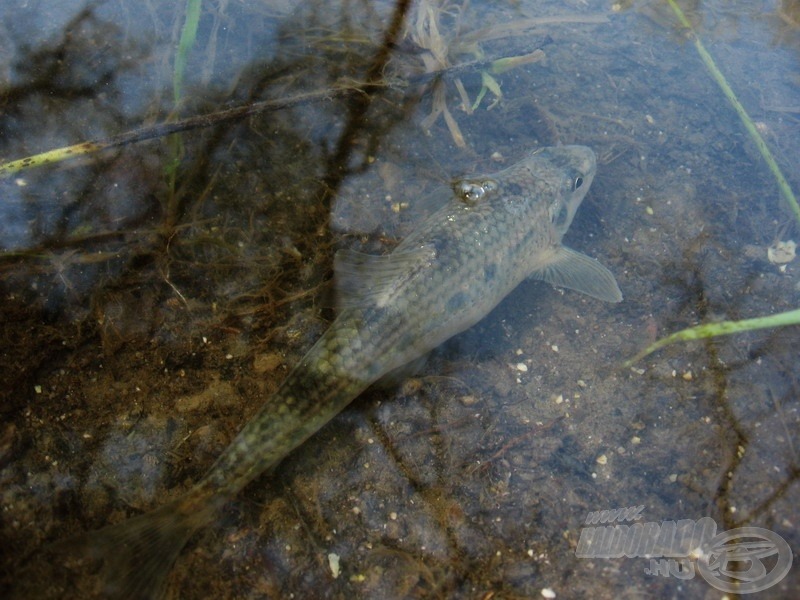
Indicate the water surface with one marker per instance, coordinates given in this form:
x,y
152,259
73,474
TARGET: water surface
x,y
155,293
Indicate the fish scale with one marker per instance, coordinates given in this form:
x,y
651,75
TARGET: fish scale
x,y
492,233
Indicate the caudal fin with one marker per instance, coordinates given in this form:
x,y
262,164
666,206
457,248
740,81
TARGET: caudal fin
x,y
126,561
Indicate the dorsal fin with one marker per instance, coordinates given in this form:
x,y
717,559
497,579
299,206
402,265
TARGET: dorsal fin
x,y
367,279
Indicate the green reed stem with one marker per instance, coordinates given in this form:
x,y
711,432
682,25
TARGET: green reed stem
x,y
784,186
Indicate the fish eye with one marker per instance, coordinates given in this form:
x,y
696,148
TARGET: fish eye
x,y
471,192
577,183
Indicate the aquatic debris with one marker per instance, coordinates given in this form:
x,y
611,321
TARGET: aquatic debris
x,y
440,51
781,253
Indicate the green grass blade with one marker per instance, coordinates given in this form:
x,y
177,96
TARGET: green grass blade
x,y
783,185
188,36
709,330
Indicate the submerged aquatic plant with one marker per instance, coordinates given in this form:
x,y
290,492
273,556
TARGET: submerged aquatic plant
x,y
751,128
709,330
175,141
440,51
424,30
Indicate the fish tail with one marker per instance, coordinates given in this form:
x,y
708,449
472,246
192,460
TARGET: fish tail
x,y
138,554
126,561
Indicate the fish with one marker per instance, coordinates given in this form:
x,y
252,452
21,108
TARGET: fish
x,y
492,232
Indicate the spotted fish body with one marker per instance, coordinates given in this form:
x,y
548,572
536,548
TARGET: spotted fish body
x,y
494,232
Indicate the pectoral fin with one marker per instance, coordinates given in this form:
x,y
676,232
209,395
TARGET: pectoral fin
x,y
366,279
576,271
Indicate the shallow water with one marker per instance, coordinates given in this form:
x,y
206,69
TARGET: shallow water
x,y
154,294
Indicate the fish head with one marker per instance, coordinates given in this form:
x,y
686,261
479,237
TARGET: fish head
x,y
550,184
570,170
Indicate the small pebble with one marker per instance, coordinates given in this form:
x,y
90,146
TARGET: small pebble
x,y
468,400
333,563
